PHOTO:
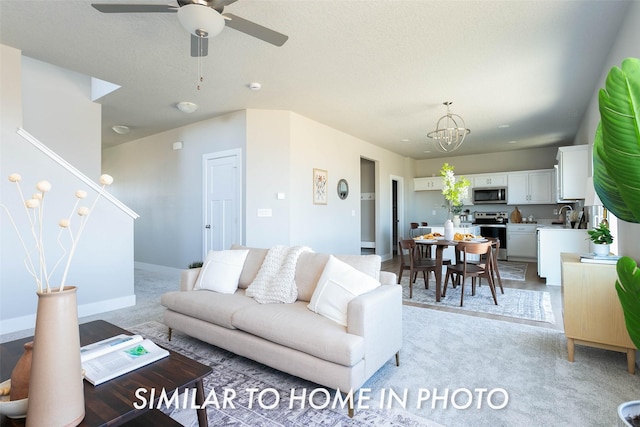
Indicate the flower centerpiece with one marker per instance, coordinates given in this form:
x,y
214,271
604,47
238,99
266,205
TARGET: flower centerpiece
x,y
455,190
55,358
36,260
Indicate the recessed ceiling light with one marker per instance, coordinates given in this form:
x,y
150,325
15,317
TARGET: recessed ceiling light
x,y
187,107
255,86
120,129
404,140
503,126
512,142
426,151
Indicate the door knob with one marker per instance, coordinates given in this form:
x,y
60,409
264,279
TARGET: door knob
x,y
207,226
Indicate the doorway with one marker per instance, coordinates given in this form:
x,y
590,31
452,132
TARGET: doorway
x,y
397,212
367,206
221,200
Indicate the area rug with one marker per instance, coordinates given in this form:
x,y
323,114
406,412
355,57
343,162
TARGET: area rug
x,y
236,373
512,270
516,303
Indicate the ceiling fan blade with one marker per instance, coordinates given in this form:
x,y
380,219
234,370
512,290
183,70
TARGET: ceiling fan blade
x,y
134,8
255,30
199,46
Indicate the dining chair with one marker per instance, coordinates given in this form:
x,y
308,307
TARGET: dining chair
x,y
424,224
466,268
495,271
414,227
414,263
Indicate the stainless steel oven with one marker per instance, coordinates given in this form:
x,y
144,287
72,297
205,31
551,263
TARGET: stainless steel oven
x,y
494,224
499,231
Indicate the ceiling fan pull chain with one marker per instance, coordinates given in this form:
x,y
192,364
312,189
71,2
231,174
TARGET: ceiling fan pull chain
x,y
200,76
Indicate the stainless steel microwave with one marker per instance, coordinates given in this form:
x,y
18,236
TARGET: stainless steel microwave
x,y
489,195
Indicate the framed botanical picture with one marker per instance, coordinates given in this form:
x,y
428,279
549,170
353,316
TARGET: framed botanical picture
x,y
319,187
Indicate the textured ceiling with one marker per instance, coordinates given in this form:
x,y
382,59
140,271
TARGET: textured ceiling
x,y
378,69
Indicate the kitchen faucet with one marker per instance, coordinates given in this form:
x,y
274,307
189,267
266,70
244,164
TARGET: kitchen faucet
x,y
568,217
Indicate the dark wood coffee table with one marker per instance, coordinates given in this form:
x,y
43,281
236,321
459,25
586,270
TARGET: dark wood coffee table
x,y
111,403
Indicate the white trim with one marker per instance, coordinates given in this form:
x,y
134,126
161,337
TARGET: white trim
x,y
75,172
237,153
23,323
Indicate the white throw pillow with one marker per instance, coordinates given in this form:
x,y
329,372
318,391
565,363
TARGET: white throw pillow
x,y
339,284
221,271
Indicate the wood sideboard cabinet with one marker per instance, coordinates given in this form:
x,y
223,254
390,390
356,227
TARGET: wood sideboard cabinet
x,y
591,309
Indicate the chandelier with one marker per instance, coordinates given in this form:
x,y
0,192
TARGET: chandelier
x,y
450,131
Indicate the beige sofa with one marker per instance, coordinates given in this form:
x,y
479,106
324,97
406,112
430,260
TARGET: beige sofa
x,y
290,337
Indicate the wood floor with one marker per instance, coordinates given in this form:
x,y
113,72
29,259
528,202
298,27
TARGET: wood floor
x,y
532,282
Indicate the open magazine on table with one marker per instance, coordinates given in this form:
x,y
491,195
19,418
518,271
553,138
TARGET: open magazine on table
x,y
115,356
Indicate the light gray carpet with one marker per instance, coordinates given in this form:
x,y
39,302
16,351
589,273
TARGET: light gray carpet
x,y
240,374
517,303
447,351
444,352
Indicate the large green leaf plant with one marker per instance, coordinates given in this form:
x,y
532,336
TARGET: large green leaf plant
x,y
616,172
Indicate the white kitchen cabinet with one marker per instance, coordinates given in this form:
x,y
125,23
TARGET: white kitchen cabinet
x,y
521,241
428,183
530,187
489,180
552,241
573,163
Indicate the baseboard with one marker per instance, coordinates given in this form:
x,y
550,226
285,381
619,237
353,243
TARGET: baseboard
x,y
22,323
157,268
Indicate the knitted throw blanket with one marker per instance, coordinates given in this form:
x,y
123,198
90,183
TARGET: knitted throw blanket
x,y
275,281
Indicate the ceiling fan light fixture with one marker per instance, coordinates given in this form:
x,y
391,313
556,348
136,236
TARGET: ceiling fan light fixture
x,y
450,131
187,107
120,129
201,21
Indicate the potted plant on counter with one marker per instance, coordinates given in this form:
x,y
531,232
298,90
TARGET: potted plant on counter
x,y
454,191
616,179
601,238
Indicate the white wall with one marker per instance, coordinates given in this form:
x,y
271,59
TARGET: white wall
x,y
55,106
280,150
506,161
626,46
164,186
268,172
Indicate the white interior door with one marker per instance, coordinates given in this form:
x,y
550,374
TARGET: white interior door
x,y
222,196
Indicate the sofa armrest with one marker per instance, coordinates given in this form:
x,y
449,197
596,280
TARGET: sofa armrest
x,y
387,278
188,279
377,316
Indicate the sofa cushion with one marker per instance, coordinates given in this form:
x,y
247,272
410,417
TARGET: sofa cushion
x,y
251,265
221,270
209,306
290,325
339,284
311,265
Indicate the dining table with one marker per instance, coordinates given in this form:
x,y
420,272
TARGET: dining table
x,y
440,245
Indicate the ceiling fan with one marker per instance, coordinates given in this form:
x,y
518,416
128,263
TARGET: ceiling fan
x,y
202,18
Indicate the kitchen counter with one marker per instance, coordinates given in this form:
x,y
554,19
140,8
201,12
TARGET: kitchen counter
x,y
552,241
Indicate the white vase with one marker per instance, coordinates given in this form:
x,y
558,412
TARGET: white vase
x,y
456,220
601,249
448,230
56,390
